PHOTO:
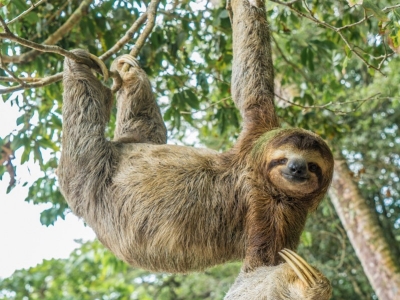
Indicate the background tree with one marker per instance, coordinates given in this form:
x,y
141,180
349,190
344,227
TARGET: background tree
x,y
336,74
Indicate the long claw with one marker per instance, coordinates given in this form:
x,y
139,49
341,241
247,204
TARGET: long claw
x,y
295,268
305,264
128,59
101,65
306,273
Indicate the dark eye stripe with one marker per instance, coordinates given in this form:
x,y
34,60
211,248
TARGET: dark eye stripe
x,y
276,162
313,167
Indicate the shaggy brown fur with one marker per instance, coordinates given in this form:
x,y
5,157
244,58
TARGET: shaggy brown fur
x,y
293,280
177,209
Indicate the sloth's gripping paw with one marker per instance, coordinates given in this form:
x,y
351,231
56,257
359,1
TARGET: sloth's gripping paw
x,y
126,67
101,65
119,62
307,274
86,60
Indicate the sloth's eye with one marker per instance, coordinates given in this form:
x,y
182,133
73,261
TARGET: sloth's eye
x,y
282,161
312,167
278,162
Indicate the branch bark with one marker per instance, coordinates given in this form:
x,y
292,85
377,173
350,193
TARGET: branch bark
x,y
365,234
150,15
54,38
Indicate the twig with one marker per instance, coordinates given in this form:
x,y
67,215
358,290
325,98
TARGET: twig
x,y
151,16
128,36
14,77
285,3
40,47
55,37
34,5
23,79
43,82
325,106
48,20
294,66
356,23
338,30
35,83
391,7
152,13
209,106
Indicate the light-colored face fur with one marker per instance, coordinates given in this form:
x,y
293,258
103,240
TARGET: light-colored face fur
x,y
296,172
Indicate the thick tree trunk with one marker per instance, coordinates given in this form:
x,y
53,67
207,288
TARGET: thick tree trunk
x,y
365,234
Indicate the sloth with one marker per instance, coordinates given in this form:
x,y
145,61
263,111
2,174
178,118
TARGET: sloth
x,y
169,208
292,280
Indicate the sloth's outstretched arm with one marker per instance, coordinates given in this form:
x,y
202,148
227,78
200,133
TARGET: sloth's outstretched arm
x,y
87,158
138,117
252,69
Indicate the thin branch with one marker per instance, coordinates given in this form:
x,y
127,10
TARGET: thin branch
x,y
391,7
4,25
125,39
48,20
36,83
53,38
294,66
325,106
338,30
209,106
151,17
40,47
43,82
23,79
285,3
152,13
356,23
14,77
34,5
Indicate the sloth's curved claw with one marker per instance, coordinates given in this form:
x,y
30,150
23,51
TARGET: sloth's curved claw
x,y
128,59
119,67
306,273
120,61
101,65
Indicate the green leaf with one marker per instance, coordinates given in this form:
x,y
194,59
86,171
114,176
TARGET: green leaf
x,y
306,238
370,5
191,99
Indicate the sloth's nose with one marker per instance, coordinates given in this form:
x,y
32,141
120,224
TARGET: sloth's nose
x,y
297,167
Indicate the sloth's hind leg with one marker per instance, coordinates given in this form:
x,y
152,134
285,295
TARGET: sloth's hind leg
x,y
139,118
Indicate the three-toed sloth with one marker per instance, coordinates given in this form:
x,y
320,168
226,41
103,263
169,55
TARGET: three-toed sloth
x,y
177,209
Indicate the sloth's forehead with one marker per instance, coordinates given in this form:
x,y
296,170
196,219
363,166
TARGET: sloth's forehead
x,y
291,151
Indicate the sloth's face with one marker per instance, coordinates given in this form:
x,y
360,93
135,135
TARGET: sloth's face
x,y
298,163
294,171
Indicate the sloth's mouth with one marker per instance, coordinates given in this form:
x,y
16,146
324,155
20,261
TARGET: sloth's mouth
x,y
295,178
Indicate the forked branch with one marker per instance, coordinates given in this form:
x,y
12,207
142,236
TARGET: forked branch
x,y
27,83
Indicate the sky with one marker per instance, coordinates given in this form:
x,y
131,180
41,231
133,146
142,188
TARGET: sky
x,y
24,242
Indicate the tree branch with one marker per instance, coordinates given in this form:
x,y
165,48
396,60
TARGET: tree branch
x,y
34,5
391,7
338,30
128,36
29,82
151,16
43,82
54,38
39,47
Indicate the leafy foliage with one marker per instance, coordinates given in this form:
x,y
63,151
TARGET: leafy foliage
x,y
92,272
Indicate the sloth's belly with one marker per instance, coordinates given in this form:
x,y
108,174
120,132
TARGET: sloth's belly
x,y
174,211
